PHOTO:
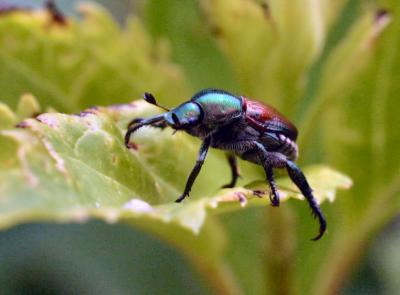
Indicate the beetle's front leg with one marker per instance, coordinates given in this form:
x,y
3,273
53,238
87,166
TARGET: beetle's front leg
x,y
160,124
135,124
195,171
234,170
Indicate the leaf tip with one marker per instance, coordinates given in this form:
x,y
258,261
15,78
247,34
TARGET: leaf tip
x,y
48,120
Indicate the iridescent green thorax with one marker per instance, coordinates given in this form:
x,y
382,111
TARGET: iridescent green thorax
x,y
218,106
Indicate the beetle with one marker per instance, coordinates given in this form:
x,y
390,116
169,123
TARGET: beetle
x,y
249,129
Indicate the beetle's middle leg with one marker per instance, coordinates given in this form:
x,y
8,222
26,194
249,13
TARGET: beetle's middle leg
x,y
270,160
256,152
274,194
234,170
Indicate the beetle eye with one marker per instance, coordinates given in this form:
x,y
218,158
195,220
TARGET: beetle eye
x,y
175,119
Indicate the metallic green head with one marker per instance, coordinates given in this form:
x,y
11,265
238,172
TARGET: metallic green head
x,y
186,115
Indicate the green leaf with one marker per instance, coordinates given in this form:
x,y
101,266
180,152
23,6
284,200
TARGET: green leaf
x,y
271,45
7,117
191,43
27,107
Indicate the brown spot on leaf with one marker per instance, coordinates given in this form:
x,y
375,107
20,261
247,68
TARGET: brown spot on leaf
x,y
47,120
381,20
217,31
132,145
23,124
89,111
241,198
266,9
85,113
381,13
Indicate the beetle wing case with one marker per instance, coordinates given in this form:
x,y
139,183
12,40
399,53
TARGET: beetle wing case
x,y
267,119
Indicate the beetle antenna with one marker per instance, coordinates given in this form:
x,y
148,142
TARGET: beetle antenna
x,y
151,99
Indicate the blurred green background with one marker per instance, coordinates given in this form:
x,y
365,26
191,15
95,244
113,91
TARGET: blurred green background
x,y
98,258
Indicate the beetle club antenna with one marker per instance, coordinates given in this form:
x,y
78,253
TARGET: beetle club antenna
x,y
151,99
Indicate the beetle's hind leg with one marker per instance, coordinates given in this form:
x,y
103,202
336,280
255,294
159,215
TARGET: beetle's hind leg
x,y
234,170
297,176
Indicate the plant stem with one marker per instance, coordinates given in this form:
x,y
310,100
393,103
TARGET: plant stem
x,y
279,250
218,275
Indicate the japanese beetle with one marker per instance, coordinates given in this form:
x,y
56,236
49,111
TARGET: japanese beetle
x,y
245,128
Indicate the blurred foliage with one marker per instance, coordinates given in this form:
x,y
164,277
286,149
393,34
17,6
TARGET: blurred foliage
x,y
340,87
44,58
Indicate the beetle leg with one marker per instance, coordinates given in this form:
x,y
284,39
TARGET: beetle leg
x,y
135,121
196,169
297,176
161,124
274,194
234,170
277,160
139,123
269,161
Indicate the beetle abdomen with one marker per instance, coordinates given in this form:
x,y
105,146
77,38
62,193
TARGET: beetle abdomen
x,y
288,147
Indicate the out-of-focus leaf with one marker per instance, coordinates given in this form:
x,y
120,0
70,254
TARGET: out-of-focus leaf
x,y
344,65
271,46
7,117
192,45
230,22
82,63
27,107
358,106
